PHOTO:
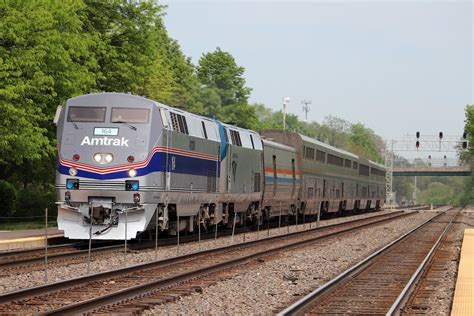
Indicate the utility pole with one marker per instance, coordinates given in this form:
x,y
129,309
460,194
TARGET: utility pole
x,y
389,174
286,100
306,104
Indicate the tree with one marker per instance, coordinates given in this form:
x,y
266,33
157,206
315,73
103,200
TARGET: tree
x,y
468,196
125,35
335,131
364,142
45,58
218,72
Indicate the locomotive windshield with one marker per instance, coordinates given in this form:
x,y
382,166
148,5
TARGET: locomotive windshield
x,y
127,115
86,114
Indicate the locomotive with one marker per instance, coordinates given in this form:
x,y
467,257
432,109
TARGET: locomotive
x,y
127,164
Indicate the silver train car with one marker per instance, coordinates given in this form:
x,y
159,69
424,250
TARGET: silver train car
x,y
127,164
332,179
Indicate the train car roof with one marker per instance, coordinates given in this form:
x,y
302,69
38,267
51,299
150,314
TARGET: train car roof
x,y
377,164
324,145
278,145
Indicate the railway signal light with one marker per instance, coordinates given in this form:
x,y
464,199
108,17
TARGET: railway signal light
x,y
440,135
464,135
464,145
417,134
417,144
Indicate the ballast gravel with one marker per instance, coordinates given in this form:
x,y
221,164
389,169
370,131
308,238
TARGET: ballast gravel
x,y
268,286
277,283
441,296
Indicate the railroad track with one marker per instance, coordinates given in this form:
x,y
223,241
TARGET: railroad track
x,y
139,287
380,283
434,277
23,261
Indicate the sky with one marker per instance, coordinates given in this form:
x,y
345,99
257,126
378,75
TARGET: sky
x,y
396,66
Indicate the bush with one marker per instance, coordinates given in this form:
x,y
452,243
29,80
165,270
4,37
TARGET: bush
x,y
8,197
34,199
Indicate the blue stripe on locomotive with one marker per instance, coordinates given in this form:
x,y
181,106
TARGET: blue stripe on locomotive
x,y
183,165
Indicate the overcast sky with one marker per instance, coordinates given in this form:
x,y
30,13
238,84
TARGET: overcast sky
x,y
398,67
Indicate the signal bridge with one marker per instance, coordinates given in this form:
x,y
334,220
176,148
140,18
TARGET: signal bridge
x,y
424,167
430,167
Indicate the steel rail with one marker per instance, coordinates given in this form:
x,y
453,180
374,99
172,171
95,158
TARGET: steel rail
x,y
416,274
48,288
19,252
299,307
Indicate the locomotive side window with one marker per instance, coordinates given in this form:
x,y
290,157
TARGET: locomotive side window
x,y
127,115
355,165
86,114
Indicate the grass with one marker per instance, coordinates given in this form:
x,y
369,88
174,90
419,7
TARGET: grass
x,y
26,225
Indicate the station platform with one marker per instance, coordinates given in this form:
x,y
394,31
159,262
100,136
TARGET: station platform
x,y
27,239
463,303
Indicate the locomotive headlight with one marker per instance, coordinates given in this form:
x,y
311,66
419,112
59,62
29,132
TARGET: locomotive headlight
x,y
73,171
132,173
98,158
109,158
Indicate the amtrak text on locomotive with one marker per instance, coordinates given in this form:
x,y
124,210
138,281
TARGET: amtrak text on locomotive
x,y
105,141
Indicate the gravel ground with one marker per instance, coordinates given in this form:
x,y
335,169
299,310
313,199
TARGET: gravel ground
x,y
18,281
277,283
442,296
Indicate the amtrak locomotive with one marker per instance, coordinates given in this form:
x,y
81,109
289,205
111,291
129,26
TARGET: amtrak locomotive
x,y
127,164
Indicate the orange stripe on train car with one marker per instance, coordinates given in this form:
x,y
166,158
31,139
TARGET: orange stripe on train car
x,y
287,171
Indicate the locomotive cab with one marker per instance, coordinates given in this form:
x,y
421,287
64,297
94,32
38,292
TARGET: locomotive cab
x,y
103,146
